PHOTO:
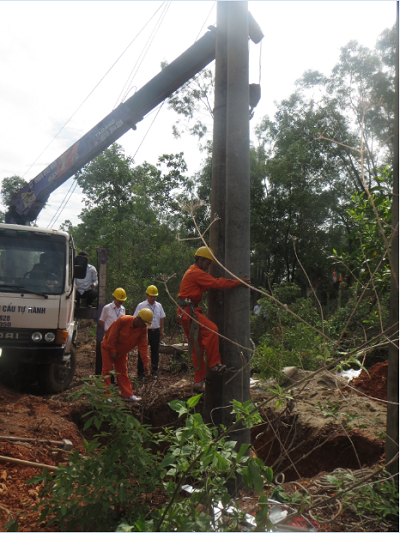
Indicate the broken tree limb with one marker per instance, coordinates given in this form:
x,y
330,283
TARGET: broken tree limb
x,y
65,444
4,459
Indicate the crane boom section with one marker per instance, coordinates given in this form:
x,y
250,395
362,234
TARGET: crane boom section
x,y
28,202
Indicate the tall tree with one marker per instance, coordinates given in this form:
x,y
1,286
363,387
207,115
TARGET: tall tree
x,y
133,212
10,186
312,167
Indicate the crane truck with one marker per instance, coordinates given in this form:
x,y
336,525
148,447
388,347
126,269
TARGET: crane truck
x,y
38,266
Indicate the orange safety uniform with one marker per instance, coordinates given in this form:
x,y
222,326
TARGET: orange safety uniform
x,y
194,283
122,338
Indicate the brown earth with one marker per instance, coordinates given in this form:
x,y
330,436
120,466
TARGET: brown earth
x,y
326,426
373,382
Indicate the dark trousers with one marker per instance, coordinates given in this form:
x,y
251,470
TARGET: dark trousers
x,y
89,295
154,341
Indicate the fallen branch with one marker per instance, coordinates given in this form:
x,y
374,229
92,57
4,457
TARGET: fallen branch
x,y
4,459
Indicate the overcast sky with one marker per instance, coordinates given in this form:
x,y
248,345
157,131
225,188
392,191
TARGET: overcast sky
x,y
54,53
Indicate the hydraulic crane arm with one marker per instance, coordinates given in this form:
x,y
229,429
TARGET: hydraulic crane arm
x,y
27,203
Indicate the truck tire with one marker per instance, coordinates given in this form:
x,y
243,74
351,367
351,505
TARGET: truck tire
x,y
56,377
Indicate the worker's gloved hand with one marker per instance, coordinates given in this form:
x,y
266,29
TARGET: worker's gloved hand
x,y
147,371
114,356
245,279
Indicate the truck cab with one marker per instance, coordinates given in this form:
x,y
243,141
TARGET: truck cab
x,y
37,292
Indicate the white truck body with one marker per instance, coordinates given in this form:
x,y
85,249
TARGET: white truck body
x,y
37,326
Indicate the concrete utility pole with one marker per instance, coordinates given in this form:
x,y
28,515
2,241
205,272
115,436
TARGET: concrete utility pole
x,y
237,212
392,437
213,395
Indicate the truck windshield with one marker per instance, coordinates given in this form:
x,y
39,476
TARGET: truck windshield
x,y
32,260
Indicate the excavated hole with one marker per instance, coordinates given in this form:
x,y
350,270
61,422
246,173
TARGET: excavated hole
x,y
282,443
303,451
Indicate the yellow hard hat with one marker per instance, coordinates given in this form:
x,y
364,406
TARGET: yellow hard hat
x,y
203,251
152,290
120,294
146,315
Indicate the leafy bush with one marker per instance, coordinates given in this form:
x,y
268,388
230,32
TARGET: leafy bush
x,y
283,339
93,492
198,454
378,498
107,488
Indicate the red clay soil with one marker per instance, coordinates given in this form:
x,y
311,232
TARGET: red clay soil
x,y
374,384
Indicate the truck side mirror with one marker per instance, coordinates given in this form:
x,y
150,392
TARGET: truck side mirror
x,y
80,267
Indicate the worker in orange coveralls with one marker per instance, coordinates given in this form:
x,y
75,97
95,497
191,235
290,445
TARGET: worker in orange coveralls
x,y
194,283
122,336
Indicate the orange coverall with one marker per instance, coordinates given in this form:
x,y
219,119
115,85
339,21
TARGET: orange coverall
x,y
194,283
122,338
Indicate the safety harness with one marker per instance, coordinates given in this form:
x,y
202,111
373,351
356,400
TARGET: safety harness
x,y
194,327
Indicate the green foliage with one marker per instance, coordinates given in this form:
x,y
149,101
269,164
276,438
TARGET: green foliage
x,y
247,412
367,247
367,316
94,491
9,187
378,498
302,184
283,339
194,98
297,498
133,212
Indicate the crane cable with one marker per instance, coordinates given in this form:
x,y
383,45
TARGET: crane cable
x,y
92,91
144,52
87,97
149,128
63,204
160,107
205,22
141,57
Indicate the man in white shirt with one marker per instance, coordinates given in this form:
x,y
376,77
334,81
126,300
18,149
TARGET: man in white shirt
x,y
114,310
155,332
86,287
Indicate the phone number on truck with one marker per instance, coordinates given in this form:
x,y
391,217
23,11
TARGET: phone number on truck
x,y
5,321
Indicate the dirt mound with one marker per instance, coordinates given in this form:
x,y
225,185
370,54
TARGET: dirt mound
x,y
373,383
325,425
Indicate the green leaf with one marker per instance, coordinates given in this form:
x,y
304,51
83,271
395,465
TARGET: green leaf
x,y
269,474
192,402
12,525
168,460
242,451
88,424
222,462
255,476
179,407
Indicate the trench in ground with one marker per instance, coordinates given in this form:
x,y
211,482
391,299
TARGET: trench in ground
x,y
297,451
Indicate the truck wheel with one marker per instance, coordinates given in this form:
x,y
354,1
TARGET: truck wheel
x,y
55,377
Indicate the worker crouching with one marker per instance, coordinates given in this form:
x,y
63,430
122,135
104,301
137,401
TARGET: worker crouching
x,y
204,335
125,334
